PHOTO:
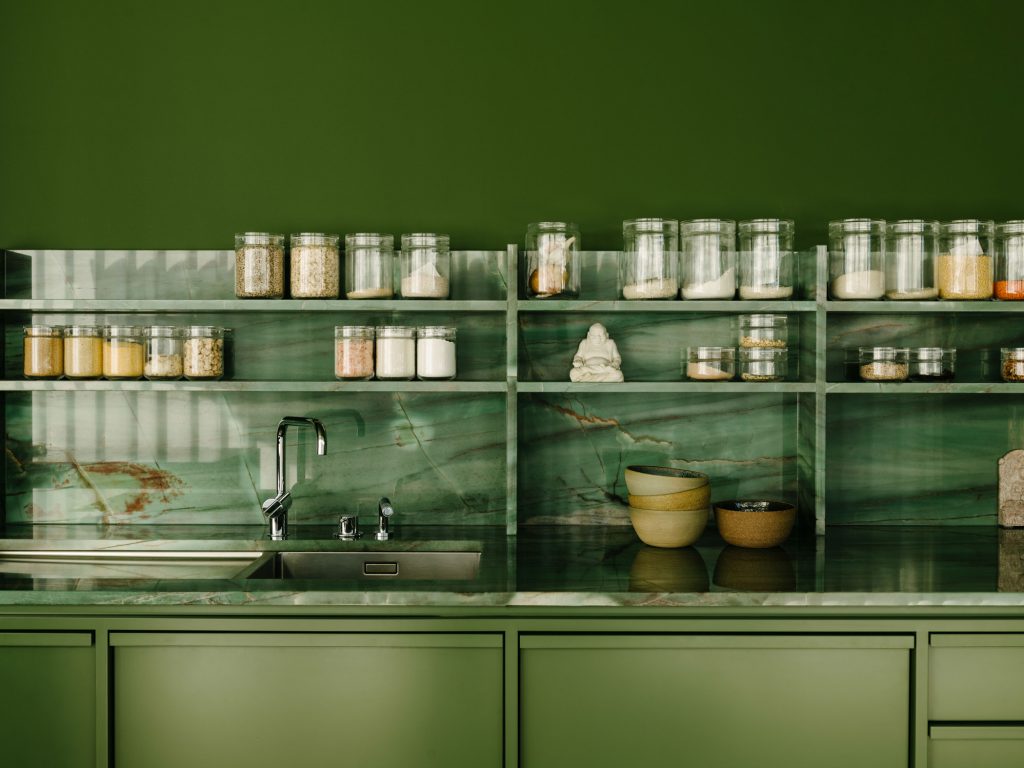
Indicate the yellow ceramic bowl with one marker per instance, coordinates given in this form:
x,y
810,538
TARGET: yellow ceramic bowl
x,y
695,498
645,480
755,524
673,528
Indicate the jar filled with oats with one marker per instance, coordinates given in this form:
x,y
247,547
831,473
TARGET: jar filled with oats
x,y
44,352
315,265
83,352
353,352
203,352
123,352
259,265
163,353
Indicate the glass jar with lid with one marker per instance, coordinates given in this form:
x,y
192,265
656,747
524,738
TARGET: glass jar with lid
x,y
965,259
710,363
163,353
43,352
552,269
1012,363
435,352
369,266
764,331
203,352
315,265
1009,284
83,352
766,259
708,260
764,364
649,266
396,352
856,259
884,363
353,352
932,364
259,265
123,353
425,266
911,260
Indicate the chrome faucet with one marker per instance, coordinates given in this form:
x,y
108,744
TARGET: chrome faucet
x,y
275,510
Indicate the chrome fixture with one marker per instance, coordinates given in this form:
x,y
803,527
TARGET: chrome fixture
x,y
275,510
348,528
384,511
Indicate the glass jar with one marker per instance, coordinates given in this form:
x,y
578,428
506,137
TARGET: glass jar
x,y
1012,363
911,260
764,331
856,259
965,259
396,352
764,364
1009,285
163,353
353,352
425,266
708,267
552,270
83,352
435,352
884,363
44,352
259,265
314,266
369,264
710,363
932,364
203,353
123,353
649,265
766,259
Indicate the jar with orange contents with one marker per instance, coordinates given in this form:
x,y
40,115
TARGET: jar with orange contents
x,y
1009,284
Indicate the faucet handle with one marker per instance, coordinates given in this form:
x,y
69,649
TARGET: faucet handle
x,y
348,527
384,511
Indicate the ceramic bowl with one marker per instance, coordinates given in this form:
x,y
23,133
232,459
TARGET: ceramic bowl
x,y
672,528
643,480
755,524
695,498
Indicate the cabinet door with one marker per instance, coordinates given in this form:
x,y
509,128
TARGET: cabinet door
x,y
975,747
715,701
295,700
976,677
47,699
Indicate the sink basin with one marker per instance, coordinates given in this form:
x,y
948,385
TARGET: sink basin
x,y
368,565
123,564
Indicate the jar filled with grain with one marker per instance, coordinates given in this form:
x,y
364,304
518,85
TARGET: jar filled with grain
x,y
44,352
1009,284
764,331
708,259
435,353
766,259
83,352
965,259
369,266
123,352
163,353
396,352
353,352
203,353
315,266
884,363
552,268
649,263
259,265
764,364
856,259
911,260
425,266
710,363
1012,363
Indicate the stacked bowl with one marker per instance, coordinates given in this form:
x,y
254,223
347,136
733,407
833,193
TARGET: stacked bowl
x,y
667,506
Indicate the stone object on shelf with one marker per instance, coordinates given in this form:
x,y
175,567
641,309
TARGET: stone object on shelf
x,y
597,358
1011,489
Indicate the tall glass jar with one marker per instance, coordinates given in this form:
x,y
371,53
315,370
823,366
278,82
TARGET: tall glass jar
x,y
435,353
163,353
259,265
965,259
1009,285
857,259
315,266
425,266
203,353
708,265
766,259
911,260
396,352
369,265
123,353
649,267
353,352
83,352
552,269
44,352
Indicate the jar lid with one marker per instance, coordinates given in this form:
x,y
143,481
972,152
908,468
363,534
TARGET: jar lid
x,y
353,329
913,227
708,227
422,240
84,330
856,226
162,330
259,238
369,240
883,353
435,331
401,331
715,353
767,226
1015,227
123,330
551,226
933,353
43,330
651,225
968,226
205,330
314,238
1015,351
764,320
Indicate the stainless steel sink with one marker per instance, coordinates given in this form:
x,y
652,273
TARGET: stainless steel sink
x,y
122,564
368,565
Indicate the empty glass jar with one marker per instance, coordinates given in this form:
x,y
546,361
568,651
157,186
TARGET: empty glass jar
x,y
123,353
710,363
708,267
203,352
764,364
44,352
435,352
1009,285
259,265
425,266
965,259
314,265
83,352
649,266
911,260
163,353
552,268
932,364
766,259
353,352
856,259
396,352
369,265
764,331
884,363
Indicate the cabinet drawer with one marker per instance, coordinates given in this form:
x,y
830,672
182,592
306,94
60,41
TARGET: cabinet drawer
x,y
975,747
976,677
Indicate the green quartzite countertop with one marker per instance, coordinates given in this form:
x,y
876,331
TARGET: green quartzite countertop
x,y
578,567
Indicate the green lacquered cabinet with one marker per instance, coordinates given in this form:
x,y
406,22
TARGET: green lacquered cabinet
x,y
976,747
298,700
47,699
706,700
977,676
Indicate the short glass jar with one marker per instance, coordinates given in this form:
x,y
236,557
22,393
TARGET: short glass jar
x,y
766,259
708,259
44,352
353,352
965,259
884,363
552,267
315,266
396,352
710,363
1012,363
203,352
764,331
911,260
163,353
649,265
856,259
932,364
259,265
435,353
83,352
764,364
425,266
1009,284
369,266
123,352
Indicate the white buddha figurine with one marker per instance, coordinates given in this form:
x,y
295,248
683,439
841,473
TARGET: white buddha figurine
x,y
597,359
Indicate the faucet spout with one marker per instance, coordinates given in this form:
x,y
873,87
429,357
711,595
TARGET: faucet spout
x,y
276,509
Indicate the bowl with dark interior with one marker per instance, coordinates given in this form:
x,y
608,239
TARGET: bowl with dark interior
x,y
755,523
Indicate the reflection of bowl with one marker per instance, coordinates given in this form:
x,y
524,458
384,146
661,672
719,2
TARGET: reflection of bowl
x,y
755,523
755,570
646,480
668,570
695,498
668,528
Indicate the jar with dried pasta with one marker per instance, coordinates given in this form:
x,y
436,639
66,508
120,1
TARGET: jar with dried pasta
x,y
44,352
203,352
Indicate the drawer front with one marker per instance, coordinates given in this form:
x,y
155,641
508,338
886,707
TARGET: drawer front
x,y
975,747
976,677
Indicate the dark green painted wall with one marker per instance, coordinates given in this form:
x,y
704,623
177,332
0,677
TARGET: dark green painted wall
x,y
173,124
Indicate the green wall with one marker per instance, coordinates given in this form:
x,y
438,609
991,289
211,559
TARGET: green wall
x,y
131,124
